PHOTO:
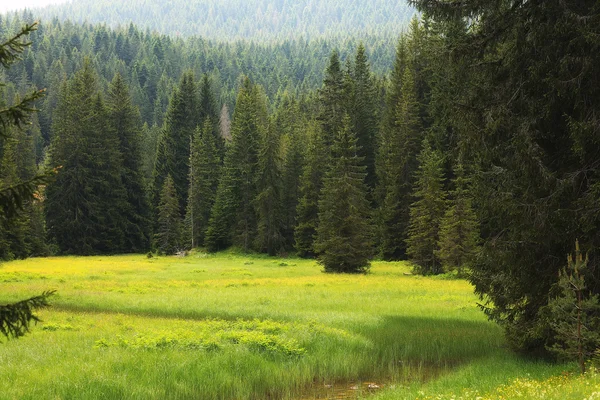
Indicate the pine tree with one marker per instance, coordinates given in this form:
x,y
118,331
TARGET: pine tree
x,y
311,182
344,239
124,121
426,213
84,203
167,239
459,229
268,200
205,171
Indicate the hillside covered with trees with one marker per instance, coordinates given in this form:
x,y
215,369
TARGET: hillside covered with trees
x,y
253,20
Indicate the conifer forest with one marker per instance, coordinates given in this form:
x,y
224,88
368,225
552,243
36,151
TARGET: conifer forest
x,y
400,198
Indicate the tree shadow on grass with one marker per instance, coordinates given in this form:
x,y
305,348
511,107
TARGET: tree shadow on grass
x,y
427,346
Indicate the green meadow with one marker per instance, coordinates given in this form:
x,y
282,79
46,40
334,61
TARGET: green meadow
x,y
229,326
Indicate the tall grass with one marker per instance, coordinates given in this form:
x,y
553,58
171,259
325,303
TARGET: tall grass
x,y
238,327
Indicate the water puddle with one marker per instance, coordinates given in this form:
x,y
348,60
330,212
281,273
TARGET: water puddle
x,y
342,391
418,372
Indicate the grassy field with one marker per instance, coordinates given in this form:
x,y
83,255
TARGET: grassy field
x,y
238,327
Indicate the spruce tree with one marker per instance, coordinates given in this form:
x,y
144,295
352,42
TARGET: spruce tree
x,y
124,121
205,168
13,231
363,110
173,154
167,238
398,153
344,236
459,229
525,107
575,312
426,213
233,217
208,110
84,203
331,100
268,200
15,318
290,123
311,182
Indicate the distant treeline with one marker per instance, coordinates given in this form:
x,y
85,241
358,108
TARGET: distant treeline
x,y
252,20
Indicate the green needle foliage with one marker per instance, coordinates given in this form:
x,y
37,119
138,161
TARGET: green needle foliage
x,y
575,313
400,142
173,154
124,120
233,218
205,169
344,240
85,203
268,200
311,182
459,229
16,318
167,239
427,212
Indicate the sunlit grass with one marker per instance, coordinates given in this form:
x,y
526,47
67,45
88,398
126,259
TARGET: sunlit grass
x,y
237,327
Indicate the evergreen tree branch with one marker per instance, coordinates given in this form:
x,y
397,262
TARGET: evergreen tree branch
x,y
15,318
10,50
18,114
12,198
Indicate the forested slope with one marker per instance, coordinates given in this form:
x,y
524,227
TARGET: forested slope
x,y
227,20
152,64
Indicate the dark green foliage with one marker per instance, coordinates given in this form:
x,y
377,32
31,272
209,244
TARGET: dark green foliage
x,y
289,122
525,107
344,235
205,168
332,100
233,219
426,213
311,182
124,121
400,140
459,229
84,203
13,231
575,313
167,238
15,318
269,186
173,154
208,110
363,112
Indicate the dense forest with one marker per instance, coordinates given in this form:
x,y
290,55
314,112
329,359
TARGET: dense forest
x,y
255,20
478,152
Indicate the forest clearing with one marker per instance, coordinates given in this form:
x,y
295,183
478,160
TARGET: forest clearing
x,y
230,326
